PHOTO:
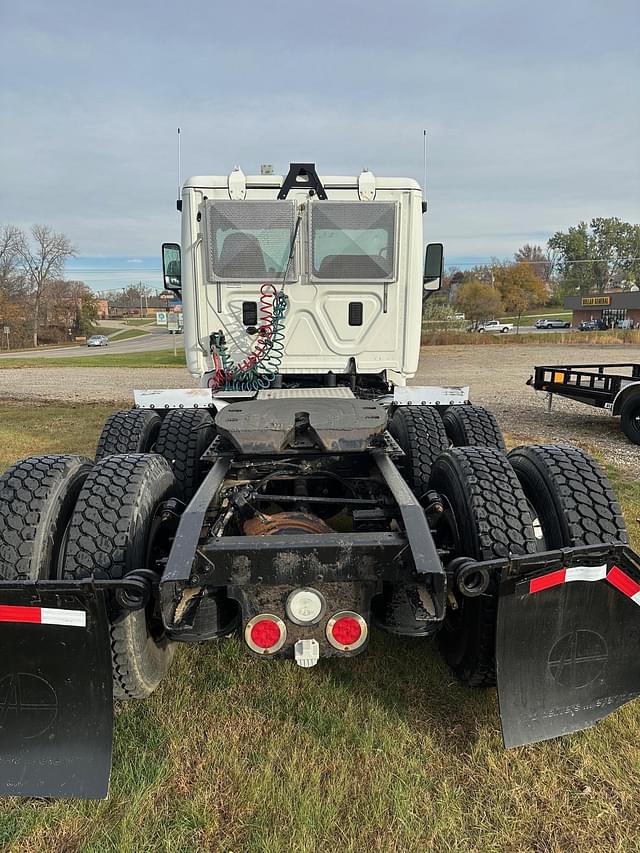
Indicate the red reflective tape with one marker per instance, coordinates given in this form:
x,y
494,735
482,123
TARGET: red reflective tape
x,y
10,613
623,582
546,581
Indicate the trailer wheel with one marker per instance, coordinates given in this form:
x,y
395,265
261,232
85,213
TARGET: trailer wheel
x,y
37,496
630,418
420,433
115,529
472,426
131,431
486,516
570,494
184,436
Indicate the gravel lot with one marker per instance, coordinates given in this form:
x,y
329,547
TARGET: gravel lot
x,y
496,374
78,384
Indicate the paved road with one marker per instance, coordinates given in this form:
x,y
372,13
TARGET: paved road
x,y
527,329
157,339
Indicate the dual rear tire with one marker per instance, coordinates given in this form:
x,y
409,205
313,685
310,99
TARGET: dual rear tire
x,y
181,436
63,517
540,497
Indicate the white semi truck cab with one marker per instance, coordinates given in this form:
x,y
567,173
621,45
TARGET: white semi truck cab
x,y
301,280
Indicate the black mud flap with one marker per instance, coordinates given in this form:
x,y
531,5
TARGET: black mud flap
x,y
568,642
56,705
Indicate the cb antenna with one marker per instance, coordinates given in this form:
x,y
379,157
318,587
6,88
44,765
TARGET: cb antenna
x,y
424,154
179,194
179,178
424,184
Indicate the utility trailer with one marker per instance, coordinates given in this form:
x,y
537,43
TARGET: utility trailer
x,y
302,496
614,387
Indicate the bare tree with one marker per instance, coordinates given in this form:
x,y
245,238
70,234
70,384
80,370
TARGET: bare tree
x,y
10,278
42,260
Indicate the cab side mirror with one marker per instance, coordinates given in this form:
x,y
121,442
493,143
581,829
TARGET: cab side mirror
x,y
171,267
433,260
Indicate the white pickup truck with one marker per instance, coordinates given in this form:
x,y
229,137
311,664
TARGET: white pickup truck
x,y
494,326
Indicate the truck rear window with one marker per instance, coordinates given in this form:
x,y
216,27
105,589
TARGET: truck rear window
x,y
249,241
353,241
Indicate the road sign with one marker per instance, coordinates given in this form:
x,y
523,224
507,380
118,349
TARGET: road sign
x,y
6,330
173,323
161,318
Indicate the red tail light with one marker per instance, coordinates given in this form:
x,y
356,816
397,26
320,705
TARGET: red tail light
x,y
265,633
346,631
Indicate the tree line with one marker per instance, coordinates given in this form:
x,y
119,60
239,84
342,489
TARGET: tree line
x,y
587,258
35,300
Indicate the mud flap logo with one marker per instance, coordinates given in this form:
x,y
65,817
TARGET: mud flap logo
x,y
578,658
28,705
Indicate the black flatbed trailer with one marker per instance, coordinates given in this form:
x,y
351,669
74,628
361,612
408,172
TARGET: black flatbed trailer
x,y
615,387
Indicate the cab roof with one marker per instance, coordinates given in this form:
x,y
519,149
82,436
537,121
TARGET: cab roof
x,y
276,181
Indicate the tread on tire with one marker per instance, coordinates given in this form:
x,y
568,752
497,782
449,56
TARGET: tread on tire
x,y
571,495
184,436
420,433
129,431
110,535
472,426
37,497
486,517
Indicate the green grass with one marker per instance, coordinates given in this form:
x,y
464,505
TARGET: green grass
x,y
384,752
566,338
159,358
127,333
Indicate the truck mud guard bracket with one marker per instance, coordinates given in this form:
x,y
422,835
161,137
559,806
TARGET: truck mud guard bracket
x,y
56,703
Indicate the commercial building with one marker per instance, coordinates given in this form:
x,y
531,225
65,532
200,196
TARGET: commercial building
x,y
613,308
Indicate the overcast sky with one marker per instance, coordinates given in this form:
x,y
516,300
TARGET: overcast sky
x,y
532,109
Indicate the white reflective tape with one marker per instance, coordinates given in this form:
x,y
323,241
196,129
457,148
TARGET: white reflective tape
x,y
586,573
55,616
636,598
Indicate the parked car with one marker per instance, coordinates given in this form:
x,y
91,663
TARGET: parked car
x,y
98,341
592,326
552,323
494,326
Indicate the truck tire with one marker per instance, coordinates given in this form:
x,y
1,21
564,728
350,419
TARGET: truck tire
x,y
486,517
630,418
37,496
570,494
184,436
113,530
472,426
420,433
131,431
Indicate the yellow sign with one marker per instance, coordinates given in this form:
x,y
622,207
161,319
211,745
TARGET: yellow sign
x,y
588,301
